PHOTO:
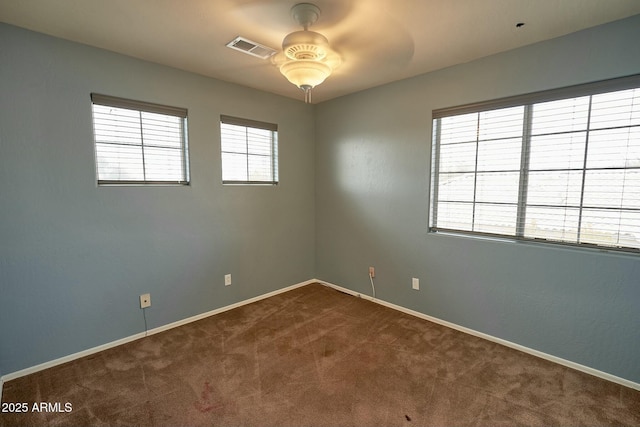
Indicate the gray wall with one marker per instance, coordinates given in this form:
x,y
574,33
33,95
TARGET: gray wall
x,y
74,257
372,183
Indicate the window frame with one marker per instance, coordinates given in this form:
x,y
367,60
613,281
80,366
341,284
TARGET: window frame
x,y
251,124
143,107
527,101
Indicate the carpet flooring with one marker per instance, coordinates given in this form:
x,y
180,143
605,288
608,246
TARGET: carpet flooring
x,y
316,357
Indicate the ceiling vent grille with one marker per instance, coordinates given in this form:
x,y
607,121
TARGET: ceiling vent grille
x,y
251,48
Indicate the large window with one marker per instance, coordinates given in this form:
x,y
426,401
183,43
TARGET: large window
x,y
558,166
249,151
138,142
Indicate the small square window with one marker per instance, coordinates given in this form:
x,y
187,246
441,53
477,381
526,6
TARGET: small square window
x,y
138,142
249,151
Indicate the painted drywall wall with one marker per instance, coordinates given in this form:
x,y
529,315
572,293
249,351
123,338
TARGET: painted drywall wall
x,y
75,257
372,166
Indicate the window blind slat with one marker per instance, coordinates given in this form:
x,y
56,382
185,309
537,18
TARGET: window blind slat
x,y
248,123
604,86
129,104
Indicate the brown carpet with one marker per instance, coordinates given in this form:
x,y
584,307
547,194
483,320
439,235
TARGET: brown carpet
x,y
316,357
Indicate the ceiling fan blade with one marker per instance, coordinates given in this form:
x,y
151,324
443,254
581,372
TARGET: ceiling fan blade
x,y
385,45
276,14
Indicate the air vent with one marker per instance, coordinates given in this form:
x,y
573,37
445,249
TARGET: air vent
x,y
251,48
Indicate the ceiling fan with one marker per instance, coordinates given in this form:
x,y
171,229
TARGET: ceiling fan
x,y
308,57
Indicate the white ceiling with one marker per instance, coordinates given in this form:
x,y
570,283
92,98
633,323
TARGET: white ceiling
x,y
379,41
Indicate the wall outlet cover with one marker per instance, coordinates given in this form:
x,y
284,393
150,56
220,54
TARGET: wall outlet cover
x,y
145,300
227,279
415,284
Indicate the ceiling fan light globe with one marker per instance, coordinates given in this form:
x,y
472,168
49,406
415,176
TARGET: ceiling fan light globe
x,y
304,73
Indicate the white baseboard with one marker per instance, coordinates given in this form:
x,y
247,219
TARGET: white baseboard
x,y
226,308
540,354
558,360
78,355
70,357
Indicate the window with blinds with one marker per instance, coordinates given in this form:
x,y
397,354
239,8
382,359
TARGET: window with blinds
x,y
138,142
561,166
249,151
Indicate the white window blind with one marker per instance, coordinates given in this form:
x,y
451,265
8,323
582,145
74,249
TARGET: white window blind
x,y
138,142
249,151
546,166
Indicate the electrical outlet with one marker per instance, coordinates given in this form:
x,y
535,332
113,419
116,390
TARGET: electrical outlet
x,y
145,300
415,284
372,271
227,279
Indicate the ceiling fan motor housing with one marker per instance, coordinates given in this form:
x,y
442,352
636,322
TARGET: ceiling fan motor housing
x,y
305,45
